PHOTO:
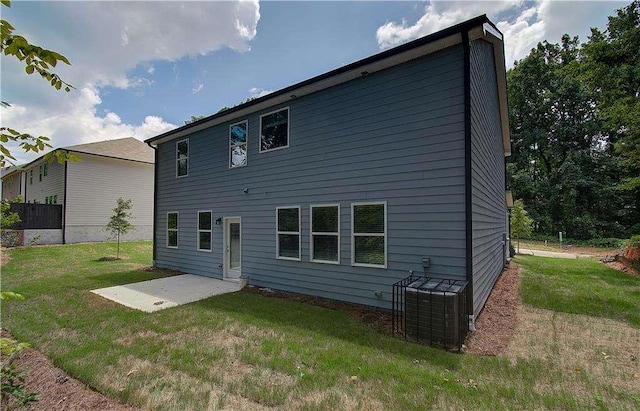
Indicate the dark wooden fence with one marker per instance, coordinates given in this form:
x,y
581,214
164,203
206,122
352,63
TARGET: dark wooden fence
x,y
37,216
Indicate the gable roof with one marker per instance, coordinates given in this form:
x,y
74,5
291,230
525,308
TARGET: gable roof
x,y
127,148
478,27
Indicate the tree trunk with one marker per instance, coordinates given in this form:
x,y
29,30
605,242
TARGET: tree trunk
x,y
118,249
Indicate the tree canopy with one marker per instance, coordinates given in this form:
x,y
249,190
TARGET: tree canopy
x,y
575,128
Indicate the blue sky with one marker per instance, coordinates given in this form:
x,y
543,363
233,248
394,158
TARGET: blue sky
x,y
141,69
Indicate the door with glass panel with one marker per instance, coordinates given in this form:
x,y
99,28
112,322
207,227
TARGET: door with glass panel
x,y
232,248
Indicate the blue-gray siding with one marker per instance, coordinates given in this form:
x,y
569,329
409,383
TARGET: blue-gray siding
x,y
487,174
394,136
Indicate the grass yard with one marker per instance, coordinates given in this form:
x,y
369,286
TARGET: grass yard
x,y
247,351
582,286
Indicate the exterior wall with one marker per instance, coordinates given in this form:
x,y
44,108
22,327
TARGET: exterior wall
x,y
396,136
11,186
51,185
93,187
487,175
42,236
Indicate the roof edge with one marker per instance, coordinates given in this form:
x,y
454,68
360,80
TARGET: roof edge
x,y
272,98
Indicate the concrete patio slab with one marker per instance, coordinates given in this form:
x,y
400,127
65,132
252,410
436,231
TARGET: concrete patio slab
x,y
161,293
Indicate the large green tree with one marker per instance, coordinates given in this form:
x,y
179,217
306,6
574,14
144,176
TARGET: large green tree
x,y
567,164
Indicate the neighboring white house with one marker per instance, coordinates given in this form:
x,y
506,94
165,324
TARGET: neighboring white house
x,y
88,189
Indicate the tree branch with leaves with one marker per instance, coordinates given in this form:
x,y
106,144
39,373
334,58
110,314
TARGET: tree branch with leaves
x,y
36,60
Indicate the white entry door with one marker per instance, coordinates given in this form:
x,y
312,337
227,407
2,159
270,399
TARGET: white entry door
x,y
232,248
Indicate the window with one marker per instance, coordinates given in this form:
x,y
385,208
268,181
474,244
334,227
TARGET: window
x,y
369,234
238,144
204,230
30,176
182,158
40,174
288,243
55,199
274,130
172,230
325,234
45,169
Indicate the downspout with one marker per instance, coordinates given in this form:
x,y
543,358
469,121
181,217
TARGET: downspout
x,y
155,200
467,175
64,200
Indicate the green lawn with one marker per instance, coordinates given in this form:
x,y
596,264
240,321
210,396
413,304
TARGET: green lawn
x,y
581,286
249,351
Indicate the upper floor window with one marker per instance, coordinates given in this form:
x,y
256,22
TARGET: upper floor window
x,y
238,144
182,158
45,169
288,224
325,233
369,234
204,230
172,230
274,130
30,176
40,174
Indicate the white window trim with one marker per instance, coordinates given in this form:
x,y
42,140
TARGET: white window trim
x,y
178,158
246,144
260,150
312,233
298,233
353,235
210,231
177,230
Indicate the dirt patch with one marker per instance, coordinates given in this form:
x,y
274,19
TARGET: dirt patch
x,y
101,259
617,265
57,390
4,258
496,323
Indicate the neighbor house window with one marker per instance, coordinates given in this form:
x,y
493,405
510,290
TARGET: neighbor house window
x,y
45,169
288,242
40,174
182,158
204,230
30,176
172,230
369,234
274,130
325,235
238,144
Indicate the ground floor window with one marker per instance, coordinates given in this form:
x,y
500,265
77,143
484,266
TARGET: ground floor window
x,y
325,235
288,233
204,230
172,230
369,234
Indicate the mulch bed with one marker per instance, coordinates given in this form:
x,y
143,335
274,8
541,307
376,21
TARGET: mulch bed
x,y
56,389
497,322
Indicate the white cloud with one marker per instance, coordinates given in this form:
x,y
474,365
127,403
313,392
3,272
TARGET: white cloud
x,y
523,24
105,41
80,124
259,92
196,89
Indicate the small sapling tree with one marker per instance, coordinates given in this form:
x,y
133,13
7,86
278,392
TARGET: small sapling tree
x,y
520,221
119,222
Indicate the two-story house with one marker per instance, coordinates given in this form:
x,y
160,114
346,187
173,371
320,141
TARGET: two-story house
x,y
88,189
342,184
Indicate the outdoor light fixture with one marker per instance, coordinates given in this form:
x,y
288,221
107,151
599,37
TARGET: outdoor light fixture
x,y
218,220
